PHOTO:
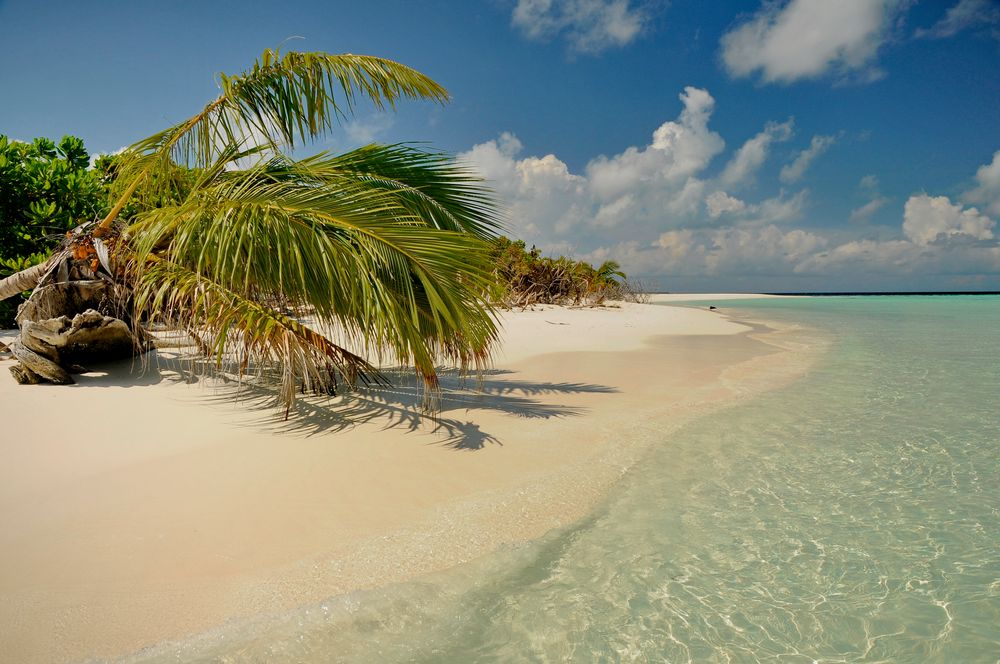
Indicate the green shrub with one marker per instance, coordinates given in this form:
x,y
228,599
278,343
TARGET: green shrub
x,y
45,190
525,277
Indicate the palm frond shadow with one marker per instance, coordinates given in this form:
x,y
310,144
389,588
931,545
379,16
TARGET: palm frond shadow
x,y
403,406
400,406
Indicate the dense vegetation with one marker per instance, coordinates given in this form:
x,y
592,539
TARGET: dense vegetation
x,y
386,246
524,277
45,190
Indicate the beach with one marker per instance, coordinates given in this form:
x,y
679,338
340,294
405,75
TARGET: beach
x,y
141,507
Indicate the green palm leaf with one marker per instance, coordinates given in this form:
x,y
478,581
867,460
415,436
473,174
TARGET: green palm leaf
x,y
389,258
233,329
385,248
281,102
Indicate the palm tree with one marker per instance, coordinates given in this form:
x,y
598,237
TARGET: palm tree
x,y
386,245
610,272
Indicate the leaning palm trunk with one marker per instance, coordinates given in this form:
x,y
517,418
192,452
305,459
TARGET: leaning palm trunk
x,y
386,244
25,280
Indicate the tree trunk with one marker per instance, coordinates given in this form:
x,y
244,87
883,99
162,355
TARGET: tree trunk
x,y
24,280
66,320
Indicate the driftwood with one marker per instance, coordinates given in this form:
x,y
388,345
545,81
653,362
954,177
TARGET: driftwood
x,y
66,299
71,319
36,368
50,349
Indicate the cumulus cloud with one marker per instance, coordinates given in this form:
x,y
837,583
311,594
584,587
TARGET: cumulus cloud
x,y
589,26
719,203
725,251
928,219
776,210
804,39
779,209
987,190
751,156
939,237
540,191
678,150
640,190
964,14
901,258
794,171
758,249
657,210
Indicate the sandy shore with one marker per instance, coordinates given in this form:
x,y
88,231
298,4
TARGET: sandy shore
x,y
139,508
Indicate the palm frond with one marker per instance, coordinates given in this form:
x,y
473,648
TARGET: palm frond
x,y
282,101
359,251
245,335
429,184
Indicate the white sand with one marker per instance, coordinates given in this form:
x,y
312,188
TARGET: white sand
x,y
139,508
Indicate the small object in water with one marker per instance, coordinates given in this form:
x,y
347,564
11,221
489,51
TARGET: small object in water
x,y
711,307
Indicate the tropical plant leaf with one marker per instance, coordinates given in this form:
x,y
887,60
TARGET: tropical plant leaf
x,y
247,336
282,101
358,251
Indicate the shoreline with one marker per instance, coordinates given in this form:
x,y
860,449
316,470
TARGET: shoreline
x,y
118,543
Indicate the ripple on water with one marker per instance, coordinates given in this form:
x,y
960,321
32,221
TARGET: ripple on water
x,y
851,517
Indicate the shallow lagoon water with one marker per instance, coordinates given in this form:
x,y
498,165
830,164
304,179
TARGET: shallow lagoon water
x,y
853,516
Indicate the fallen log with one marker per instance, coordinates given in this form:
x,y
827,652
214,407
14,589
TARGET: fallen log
x,y
39,365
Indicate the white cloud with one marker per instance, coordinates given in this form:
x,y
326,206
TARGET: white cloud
x,y
928,219
869,183
863,214
96,155
724,251
719,203
655,209
777,210
864,256
540,191
677,243
758,249
804,39
940,237
780,209
362,131
751,156
509,144
678,150
590,26
987,190
964,14
794,171
901,257
643,189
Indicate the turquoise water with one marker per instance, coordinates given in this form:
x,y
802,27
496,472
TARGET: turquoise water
x,y
853,516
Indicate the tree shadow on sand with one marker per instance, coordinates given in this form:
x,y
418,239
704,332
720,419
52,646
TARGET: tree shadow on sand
x,y
402,406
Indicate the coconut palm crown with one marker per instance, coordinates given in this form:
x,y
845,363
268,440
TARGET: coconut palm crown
x,y
387,245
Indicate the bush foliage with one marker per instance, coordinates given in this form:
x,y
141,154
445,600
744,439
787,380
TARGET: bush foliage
x,y
45,190
525,278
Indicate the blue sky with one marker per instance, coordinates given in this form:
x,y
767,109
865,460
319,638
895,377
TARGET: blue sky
x,y
785,146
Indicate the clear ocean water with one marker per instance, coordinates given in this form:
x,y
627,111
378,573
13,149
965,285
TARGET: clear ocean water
x,y
853,516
